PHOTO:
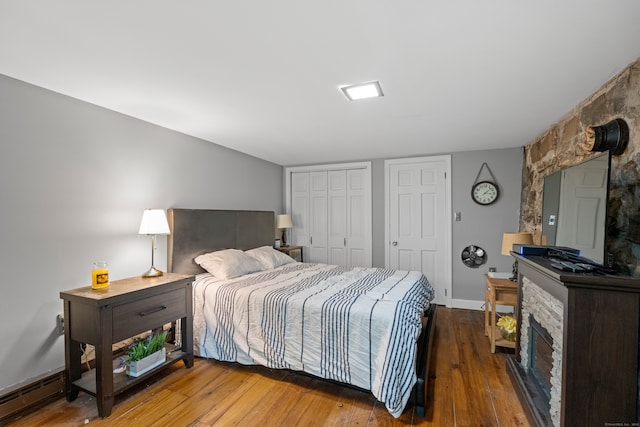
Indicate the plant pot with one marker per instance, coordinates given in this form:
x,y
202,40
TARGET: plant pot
x,y
509,336
142,366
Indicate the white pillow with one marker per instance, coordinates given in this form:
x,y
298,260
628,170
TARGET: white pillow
x,y
228,263
269,258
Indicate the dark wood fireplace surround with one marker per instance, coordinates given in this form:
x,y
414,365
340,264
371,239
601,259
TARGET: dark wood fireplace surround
x,y
600,347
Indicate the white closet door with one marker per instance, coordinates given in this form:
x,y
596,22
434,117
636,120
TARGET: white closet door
x,y
358,218
337,229
331,212
317,218
301,232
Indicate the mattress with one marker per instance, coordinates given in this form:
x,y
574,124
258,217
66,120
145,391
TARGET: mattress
x,y
358,326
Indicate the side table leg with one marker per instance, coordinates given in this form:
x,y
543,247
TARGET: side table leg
x,y
187,340
104,381
492,329
72,358
486,312
73,370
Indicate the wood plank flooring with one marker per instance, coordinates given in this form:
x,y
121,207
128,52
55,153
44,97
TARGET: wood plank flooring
x,y
468,385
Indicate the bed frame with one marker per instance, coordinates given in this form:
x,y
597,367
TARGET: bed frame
x,y
198,231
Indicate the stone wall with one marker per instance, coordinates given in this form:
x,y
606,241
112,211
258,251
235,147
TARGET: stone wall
x,y
565,144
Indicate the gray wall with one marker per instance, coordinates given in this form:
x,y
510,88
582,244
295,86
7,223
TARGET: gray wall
x,y
483,225
74,180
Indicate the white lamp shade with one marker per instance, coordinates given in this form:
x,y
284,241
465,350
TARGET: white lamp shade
x,y
154,221
510,239
284,221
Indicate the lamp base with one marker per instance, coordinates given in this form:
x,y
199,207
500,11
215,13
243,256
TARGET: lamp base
x,y
153,272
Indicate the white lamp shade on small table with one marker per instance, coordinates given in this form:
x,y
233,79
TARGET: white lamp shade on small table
x,y
154,221
283,222
510,239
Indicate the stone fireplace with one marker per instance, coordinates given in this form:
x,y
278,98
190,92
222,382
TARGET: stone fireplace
x,y
542,319
574,364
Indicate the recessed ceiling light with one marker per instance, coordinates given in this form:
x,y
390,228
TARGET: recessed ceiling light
x,y
362,90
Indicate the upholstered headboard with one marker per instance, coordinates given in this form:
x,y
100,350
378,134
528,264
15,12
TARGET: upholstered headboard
x,y
198,231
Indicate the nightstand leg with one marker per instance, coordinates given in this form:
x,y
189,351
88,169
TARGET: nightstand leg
x,y
104,364
486,313
492,330
73,371
104,381
187,340
72,355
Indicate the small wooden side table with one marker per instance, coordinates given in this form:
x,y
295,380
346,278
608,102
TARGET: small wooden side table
x,y
105,316
294,252
498,292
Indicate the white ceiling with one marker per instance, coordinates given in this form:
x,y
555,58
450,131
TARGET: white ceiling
x,y
262,77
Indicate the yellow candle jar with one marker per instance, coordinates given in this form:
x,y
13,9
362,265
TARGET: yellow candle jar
x,y
100,275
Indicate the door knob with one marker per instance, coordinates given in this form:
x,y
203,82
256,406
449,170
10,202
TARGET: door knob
x,y
394,243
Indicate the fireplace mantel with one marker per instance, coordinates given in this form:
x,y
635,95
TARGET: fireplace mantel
x,y
599,354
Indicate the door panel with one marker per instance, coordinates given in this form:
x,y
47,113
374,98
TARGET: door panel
x,y
418,227
300,209
358,237
337,192
318,215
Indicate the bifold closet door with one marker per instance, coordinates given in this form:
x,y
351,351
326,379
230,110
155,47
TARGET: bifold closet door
x,y
309,214
337,217
331,212
317,217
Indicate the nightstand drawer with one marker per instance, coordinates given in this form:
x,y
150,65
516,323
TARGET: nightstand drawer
x,y
138,316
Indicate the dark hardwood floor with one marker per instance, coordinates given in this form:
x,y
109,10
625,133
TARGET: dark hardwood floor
x,y
469,386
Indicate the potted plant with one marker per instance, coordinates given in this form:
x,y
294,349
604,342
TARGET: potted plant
x,y
146,354
507,325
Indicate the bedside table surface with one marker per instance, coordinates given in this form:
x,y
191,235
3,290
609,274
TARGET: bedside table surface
x,y
292,250
123,287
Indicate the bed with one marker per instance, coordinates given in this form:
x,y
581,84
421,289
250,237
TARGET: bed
x,y
366,327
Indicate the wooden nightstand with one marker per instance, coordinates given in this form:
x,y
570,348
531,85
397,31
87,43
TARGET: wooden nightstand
x,y
498,292
294,252
105,316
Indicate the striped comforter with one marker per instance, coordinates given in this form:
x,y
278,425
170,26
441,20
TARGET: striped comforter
x,y
354,325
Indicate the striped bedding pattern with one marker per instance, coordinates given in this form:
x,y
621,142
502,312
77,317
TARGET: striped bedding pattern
x,y
354,325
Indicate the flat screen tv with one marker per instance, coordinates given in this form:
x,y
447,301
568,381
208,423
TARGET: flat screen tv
x,y
574,207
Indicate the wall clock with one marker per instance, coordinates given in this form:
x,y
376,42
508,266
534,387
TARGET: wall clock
x,y
485,192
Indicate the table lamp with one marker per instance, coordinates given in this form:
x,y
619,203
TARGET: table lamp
x,y
154,221
510,239
284,222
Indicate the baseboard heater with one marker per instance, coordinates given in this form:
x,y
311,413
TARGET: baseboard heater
x,y
51,386
31,395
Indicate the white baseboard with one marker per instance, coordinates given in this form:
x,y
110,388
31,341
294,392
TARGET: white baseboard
x,y
469,304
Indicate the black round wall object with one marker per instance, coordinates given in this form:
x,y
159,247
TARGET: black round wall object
x,y
613,136
473,256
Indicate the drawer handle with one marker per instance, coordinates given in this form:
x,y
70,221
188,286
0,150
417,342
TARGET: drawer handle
x,y
153,310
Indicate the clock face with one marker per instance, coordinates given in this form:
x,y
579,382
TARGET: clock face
x,y
485,192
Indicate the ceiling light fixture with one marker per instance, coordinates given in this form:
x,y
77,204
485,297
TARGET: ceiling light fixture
x,y
362,90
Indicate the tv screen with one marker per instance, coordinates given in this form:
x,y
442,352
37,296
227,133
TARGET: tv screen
x,y
574,207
